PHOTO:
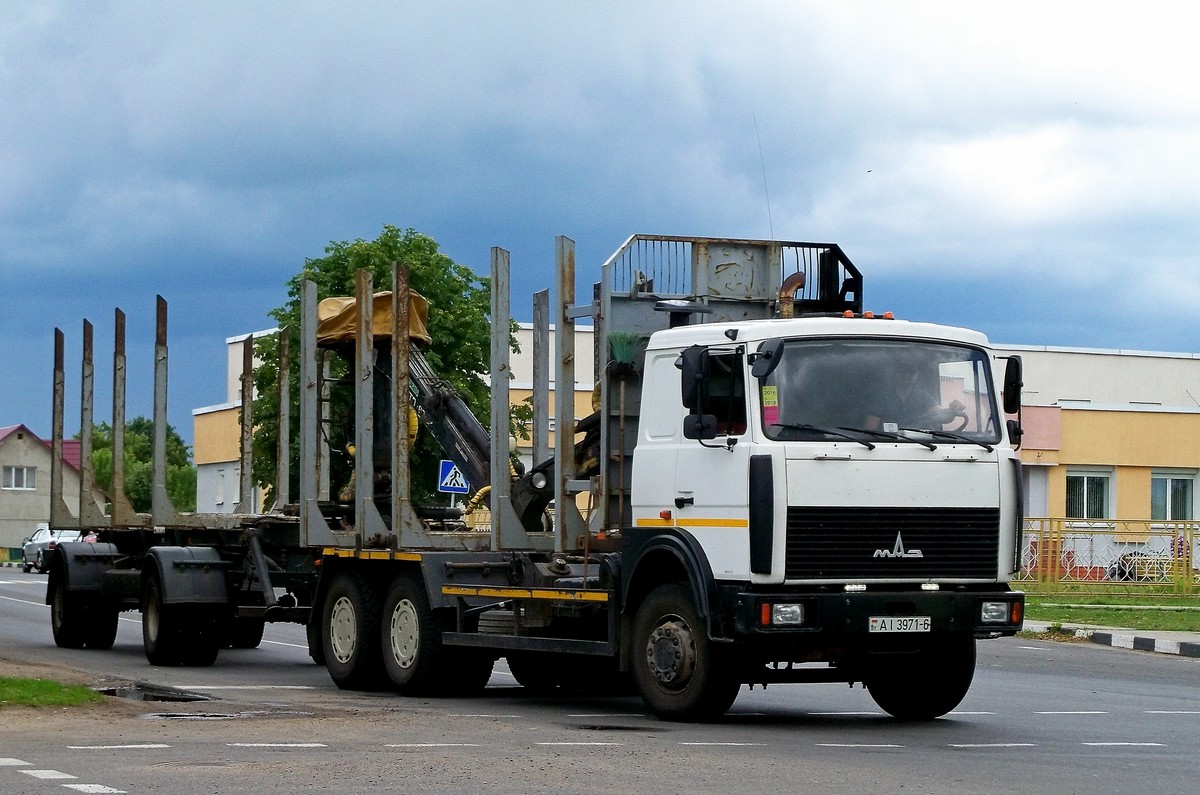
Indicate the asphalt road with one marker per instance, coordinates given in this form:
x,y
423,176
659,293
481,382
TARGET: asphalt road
x,y
1042,718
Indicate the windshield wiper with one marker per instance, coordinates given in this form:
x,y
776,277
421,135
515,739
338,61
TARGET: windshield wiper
x,y
814,429
899,437
957,437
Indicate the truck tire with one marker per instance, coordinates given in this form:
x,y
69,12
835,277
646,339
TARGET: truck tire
x,y
101,630
927,684
161,635
202,635
68,616
312,633
413,655
246,633
350,633
680,674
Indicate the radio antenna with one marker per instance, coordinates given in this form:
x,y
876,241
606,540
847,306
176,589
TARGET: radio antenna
x,y
766,190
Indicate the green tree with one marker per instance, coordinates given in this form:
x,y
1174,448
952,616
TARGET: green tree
x,y
139,467
459,324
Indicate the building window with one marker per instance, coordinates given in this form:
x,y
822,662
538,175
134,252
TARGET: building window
x,y
1088,495
21,478
1171,497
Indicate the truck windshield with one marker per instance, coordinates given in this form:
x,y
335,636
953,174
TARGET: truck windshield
x,y
909,390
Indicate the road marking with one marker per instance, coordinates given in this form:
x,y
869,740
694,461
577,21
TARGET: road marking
x,y
956,712
1072,712
291,645
277,745
24,601
1136,745
244,687
858,745
48,774
10,762
432,745
117,747
993,745
1173,712
92,788
726,745
480,715
580,743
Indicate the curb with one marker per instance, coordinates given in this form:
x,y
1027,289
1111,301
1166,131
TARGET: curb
x,y
1138,643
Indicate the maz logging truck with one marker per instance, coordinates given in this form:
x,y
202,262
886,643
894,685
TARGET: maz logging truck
x,y
775,486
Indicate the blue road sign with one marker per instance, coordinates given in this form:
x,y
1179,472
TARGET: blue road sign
x,y
451,480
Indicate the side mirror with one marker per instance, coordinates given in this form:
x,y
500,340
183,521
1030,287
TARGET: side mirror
x,y
694,364
1015,432
767,358
700,426
1012,385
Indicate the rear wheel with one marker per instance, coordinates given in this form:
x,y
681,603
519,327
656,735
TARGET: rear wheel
x,y
926,684
679,673
101,631
246,633
161,636
68,615
350,633
413,655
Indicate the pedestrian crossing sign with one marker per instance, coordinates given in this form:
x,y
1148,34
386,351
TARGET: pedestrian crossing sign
x,y
451,480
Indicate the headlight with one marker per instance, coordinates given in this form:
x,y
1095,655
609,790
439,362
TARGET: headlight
x,y
994,612
787,614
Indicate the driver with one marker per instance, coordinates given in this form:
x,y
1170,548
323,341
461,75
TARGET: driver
x,y
909,404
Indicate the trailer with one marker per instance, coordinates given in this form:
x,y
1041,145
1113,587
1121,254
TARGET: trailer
x,y
775,486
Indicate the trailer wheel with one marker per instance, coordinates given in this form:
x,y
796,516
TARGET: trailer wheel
x,y
202,636
679,673
161,636
246,633
68,618
350,633
101,630
927,684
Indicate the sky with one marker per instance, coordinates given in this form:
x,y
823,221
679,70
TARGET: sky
x,y
1026,169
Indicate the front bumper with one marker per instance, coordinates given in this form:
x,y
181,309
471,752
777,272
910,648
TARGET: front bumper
x,y
845,618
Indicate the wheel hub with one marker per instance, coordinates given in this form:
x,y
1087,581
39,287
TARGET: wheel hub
x,y
404,634
671,653
343,630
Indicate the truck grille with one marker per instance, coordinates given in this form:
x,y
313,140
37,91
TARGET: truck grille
x,y
882,543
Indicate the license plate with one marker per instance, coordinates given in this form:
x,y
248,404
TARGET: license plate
x,y
900,624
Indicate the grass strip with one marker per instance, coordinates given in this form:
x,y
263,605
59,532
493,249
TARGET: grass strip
x,y
44,693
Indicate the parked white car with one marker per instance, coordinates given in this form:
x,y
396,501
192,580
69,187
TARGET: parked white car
x,y
34,548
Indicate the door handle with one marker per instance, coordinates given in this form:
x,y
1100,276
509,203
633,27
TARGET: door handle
x,y
682,501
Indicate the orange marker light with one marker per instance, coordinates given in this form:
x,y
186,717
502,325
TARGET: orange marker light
x,y
765,618
664,515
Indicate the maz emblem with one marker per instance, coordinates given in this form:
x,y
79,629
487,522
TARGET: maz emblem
x,y
898,551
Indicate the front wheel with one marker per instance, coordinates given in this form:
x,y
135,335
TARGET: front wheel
x,y
681,675
926,684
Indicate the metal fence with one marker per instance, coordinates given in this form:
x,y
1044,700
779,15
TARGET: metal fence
x,y
1138,554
